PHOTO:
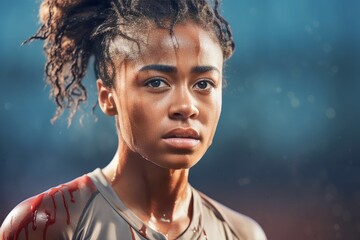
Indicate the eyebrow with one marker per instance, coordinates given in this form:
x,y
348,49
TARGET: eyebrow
x,y
160,68
172,69
204,69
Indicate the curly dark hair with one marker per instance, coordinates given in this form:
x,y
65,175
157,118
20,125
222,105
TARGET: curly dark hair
x,y
75,30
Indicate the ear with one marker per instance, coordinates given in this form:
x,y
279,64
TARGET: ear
x,y
106,99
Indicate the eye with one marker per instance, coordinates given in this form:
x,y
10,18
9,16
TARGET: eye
x,y
204,85
156,83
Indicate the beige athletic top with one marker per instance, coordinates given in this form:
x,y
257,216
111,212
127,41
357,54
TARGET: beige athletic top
x,y
88,208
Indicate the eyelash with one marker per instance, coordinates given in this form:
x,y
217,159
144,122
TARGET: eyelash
x,y
163,81
152,80
209,82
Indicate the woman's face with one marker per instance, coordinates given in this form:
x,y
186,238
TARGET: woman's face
x,y
168,99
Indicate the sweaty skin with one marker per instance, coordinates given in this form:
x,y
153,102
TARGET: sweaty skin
x,y
170,86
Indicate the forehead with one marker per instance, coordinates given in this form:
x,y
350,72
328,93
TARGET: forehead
x,y
188,42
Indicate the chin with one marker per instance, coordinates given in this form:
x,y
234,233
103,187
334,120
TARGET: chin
x,y
178,162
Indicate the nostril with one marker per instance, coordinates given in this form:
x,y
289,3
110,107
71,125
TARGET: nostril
x,y
189,113
178,115
183,111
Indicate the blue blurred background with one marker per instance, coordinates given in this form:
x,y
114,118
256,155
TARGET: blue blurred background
x,y
286,151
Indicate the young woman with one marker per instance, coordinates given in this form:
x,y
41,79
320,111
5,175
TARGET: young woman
x,y
159,67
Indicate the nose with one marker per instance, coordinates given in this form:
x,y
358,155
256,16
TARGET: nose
x,y
183,106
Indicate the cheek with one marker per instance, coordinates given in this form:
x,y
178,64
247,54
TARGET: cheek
x,y
131,116
212,114
217,101
143,120
211,109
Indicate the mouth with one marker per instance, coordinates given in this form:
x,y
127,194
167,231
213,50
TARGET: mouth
x,y
185,138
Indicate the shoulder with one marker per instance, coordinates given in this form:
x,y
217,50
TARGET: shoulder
x,y
52,214
244,227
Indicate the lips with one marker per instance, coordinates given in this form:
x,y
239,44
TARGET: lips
x,y
183,133
184,138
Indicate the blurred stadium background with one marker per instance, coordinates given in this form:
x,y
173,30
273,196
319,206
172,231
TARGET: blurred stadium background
x,y
287,147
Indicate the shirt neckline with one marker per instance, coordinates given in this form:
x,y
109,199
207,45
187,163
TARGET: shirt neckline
x,y
193,231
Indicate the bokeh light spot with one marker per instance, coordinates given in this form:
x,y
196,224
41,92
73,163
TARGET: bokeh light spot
x,y
295,102
327,48
7,106
311,99
330,113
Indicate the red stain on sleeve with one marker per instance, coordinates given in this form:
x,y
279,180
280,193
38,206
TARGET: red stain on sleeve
x,y
31,209
132,233
143,231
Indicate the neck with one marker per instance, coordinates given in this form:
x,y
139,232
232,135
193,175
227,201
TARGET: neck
x,y
159,197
